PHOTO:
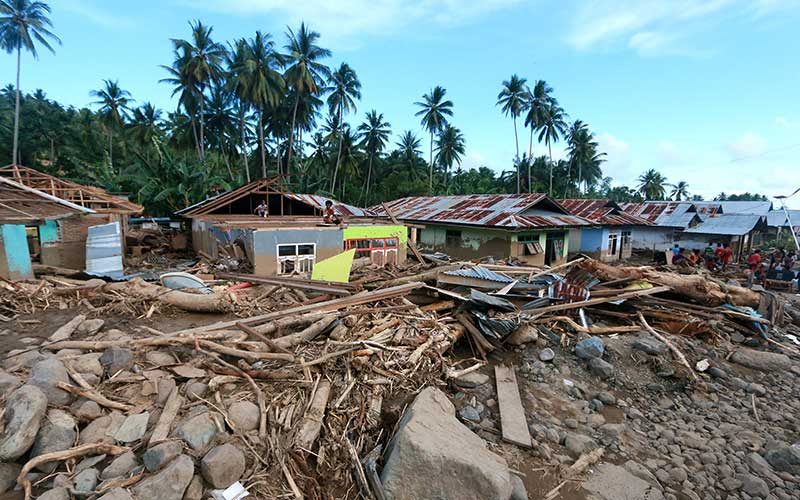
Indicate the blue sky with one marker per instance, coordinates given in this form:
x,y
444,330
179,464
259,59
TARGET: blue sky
x,y
703,91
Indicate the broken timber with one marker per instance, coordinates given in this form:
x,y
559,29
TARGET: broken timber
x,y
314,286
512,415
601,300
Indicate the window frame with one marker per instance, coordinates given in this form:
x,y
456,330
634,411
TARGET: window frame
x,y
303,263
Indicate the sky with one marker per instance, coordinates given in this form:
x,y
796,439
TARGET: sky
x,y
703,91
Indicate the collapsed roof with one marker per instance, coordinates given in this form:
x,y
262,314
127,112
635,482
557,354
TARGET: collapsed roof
x,y
604,212
20,204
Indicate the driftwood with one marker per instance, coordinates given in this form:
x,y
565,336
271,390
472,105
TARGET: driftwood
x,y
312,421
430,275
694,286
66,330
78,451
592,330
168,414
678,354
94,396
192,302
580,465
305,335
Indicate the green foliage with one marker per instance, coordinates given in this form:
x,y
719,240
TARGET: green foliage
x,y
741,197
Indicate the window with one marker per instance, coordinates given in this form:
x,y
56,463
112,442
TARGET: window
x,y
296,258
612,243
452,237
380,250
626,240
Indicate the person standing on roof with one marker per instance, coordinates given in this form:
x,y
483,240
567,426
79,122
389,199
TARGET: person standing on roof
x,y
262,210
329,215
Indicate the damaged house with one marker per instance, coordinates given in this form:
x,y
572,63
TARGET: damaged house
x,y
22,208
292,237
667,219
532,227
611,238
63,242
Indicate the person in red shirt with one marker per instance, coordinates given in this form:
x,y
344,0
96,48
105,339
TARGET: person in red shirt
x,y
329,214
754,260
727,253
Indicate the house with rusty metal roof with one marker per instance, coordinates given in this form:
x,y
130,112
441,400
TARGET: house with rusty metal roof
x,y
282,232
611,237
667,219
530,227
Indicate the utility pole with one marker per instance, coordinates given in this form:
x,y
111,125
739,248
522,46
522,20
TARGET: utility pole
x,y
788,219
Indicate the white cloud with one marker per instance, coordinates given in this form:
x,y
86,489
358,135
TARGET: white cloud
x,y
670,154
784,122
618,164
344,21
91,12
747,146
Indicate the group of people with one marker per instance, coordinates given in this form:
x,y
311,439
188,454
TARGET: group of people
x,y
780,266
714,257
329,215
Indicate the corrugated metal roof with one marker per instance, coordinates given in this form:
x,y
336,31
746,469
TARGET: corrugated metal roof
x,y
319,202
777,218
734,207
490,210
678,214
604,212
479,272
728,224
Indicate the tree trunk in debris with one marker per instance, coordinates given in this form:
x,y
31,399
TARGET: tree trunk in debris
x,y
192,302
693,286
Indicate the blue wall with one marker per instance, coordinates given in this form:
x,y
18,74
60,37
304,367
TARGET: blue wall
x,y
16,254
592,239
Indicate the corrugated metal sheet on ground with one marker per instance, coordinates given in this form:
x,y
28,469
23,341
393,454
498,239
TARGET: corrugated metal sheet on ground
x,y
479,272
104,250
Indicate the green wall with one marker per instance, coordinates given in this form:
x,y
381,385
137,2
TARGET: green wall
x,y
380,231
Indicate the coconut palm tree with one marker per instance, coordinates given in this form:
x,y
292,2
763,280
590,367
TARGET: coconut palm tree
x,y
409,146
22,24
375,134
539,100
434,112
583,155
651,185
258,82
145,124
305,73
553,128
450,147
513,99
199,60
114,105
344,89
221,122
680,191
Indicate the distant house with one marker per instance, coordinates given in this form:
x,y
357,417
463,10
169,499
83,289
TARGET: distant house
x,y
530,227
780,222
292,238
611,237
21,208
667,219
740,231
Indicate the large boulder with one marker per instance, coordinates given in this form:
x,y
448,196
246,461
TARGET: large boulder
x,y
783,457
433,455
169,484
57,434
45,375
116,359
762,360
197,431
592,347
223,466
24,411
612,482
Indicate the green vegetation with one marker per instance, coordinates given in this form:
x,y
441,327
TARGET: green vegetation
x,y
251,108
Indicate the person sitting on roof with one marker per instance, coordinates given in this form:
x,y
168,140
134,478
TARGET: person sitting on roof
x,y
262,210
329,215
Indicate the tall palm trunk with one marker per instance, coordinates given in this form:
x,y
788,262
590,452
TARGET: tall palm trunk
x,y
430,171
569,179
339,153
291,133
579,178
369,178
516,143
194,135
244,151
550,192
15,153
530,143
225,155
261,143
111,148
202,126
529,174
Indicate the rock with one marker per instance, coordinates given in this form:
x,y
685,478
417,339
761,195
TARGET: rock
x,y
8,383
197,431
757,389
650,346
116,359
56,434
165,387
21,358
161,454
753,486
90,326
24,411
159,358
433,455
195,489
519,492
547,354
469,413
169,484
783,458
86,410
601,368
8,476
133,428
223,466
96,431
196,390
472,380
116,494
590,348
88,463
244,415
45,374
120,466
761,360
578,444
522,335
87,363
55,494
678,475
612,482
607,398
760,467
86,480
613,430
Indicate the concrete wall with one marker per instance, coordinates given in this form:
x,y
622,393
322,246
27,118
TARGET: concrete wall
x,y
649,238
328,241
15,258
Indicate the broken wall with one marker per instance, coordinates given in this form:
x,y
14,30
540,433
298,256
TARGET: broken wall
x,y
327,241
65,244
465,242
15,259
381,231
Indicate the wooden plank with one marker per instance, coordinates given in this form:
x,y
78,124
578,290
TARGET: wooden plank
x,y
168,414
410,243
287,282
512,416
602,300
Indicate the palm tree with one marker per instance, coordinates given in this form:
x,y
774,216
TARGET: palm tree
x,y
258,82
305,74
553,128
22,22
113,101
538,103
199,59
680,191
221,122
374,136
409,147
513,99
583,155
146,123
344,89
434,112
651,185
449,149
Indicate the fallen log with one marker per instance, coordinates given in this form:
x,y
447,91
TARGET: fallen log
x,y
693,286
312,421
304,335
191,302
